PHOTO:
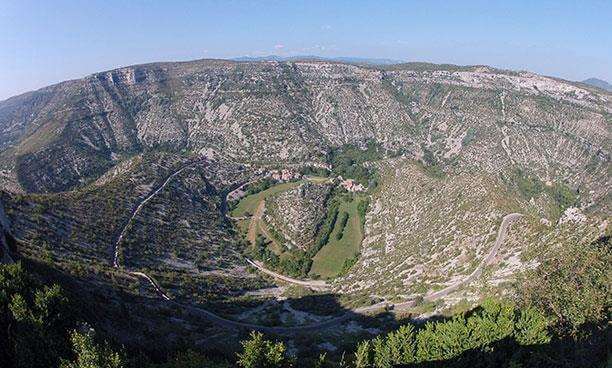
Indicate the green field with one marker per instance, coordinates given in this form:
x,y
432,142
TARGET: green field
x,y
248,204
318,179
344,241
328,262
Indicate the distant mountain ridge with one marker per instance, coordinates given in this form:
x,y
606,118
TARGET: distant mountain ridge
x,y
342,59
599,83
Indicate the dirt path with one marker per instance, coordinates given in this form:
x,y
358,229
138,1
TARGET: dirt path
x,y
223,322
315,284
140,206
311,284
252,233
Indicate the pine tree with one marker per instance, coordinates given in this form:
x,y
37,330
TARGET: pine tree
x,y
363,355
531,328
406,336
382,357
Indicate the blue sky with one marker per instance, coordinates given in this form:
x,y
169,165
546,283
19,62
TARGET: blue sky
x,y
44,42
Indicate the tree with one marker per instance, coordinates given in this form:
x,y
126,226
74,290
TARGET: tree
x,y
531,328
402,345
495,321
443,340
572,285
382,356
258,352
34,318
91,355
363,355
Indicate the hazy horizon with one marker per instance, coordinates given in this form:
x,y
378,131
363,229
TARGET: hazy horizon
x,y
46,43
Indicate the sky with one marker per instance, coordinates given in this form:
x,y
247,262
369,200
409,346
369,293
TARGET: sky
x,y
45,42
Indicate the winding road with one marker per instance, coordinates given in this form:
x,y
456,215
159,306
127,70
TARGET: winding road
x,y
502,232
140,206
231,324
311,284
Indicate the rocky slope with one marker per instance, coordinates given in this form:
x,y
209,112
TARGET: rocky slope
x,y
298,212
463,147
58,137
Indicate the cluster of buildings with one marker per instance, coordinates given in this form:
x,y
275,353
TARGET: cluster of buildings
x,y
285,175
351,185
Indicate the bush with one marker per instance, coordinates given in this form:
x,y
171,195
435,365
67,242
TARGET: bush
x,y
362,209
258,352
347,161
572,285
342,220
493,322
34,319
88,354
327,227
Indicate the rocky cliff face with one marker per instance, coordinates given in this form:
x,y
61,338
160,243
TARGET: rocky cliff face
x,y
470,145
59,137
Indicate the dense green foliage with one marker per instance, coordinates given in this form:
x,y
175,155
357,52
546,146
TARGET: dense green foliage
x,y
530,186
362,209
446,340
260,186
258,352
88,354
328,224
262,252
348,161
34,319
573,285
314,171
342,220
294,262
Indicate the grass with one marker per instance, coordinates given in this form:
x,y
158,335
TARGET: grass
x,y
318,179
329,261
343,243
248,204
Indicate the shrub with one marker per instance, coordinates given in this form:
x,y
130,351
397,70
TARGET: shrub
x,y
342,220
88,354
258,352
572,285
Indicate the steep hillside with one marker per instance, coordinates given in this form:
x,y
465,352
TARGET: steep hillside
x,y
57,138
467,175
